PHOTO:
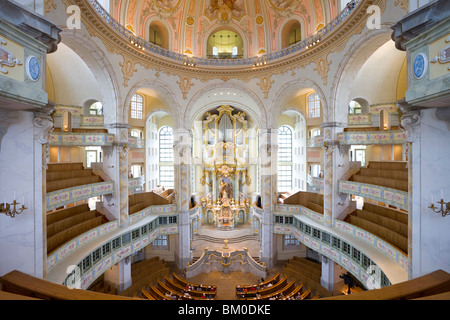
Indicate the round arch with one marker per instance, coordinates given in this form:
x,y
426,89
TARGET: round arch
x,y
160,89
353,60
232,94
286,28
218,27
163,28
101,68
282,99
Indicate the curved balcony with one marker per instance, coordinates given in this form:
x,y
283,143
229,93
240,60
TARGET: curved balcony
x,y
365,255
100,248
371,137
105,23
80,139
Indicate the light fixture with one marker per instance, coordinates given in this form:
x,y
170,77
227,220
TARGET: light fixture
x,y
7,210
445,206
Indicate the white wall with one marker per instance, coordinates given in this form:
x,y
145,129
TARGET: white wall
x,y
21,238
430,165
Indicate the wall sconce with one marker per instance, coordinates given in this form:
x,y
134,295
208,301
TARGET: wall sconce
x,y
6,208
445,206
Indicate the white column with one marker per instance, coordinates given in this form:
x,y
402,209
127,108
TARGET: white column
x,y
22,178
182,168
336,165
119,275
268,147
115,165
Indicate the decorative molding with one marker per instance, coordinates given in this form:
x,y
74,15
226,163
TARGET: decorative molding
x,y
49,5
410,120
185,85
117,40
128,68
323,66
265,84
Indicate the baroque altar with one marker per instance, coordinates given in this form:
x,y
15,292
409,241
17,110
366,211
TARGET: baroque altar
x,y
225,168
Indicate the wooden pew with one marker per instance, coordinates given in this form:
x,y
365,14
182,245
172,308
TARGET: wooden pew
x,y
197,294
240,289
264,291
434,283
158,294
297,290
147,295
285,291
17,282
202,287
305,294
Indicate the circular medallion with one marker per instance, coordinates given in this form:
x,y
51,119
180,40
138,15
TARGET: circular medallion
x,y
32,67
420,66
259,19
190,20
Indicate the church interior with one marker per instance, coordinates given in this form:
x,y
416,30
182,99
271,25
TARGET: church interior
x,y
224,150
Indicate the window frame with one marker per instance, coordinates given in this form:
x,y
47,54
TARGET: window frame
x,y
137,107
314,105
166,170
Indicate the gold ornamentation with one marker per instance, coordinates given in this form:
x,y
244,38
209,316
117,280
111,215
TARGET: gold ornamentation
x,y
128,69
48,5
259,19
190,21
265,84
323,66
185,85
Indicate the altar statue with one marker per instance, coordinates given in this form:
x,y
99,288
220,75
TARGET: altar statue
x,y
225,199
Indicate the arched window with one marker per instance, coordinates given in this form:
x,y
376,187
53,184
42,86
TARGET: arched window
x,y
225,44
96,109
155,36
284,159
295,36
137,107
354,107
313,105
166,170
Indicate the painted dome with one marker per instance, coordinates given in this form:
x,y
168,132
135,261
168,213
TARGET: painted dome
x,y
236,28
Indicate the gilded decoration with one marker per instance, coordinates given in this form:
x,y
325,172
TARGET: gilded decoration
x,y
168,5
190,21
225,167
281,4
162,60
216,8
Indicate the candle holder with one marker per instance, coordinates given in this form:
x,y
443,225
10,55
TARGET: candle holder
x,y
444,210
7,210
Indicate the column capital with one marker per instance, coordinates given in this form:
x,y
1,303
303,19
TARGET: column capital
x,y
409,120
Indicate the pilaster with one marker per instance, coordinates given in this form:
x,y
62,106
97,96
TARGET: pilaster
x,y
182,174
115,166
336,164
268,152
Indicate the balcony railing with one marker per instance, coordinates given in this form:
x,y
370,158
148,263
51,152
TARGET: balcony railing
x,y
150,47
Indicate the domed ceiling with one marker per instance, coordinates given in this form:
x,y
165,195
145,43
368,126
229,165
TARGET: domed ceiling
x,y
186,25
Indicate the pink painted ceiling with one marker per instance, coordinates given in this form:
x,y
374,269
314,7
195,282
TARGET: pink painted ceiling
x,y
189,22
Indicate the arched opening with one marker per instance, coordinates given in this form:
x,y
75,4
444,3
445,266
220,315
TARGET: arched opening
x,y
291,34
158,34
224,44
292,164
159,158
